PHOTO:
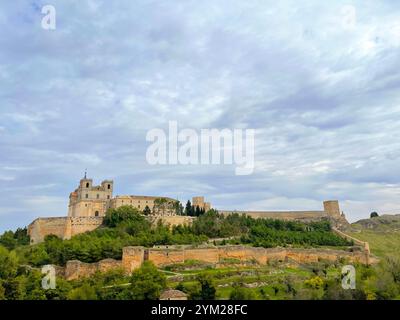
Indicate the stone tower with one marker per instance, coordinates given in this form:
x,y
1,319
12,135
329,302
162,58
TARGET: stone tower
x,y
89,200
199,202
331,207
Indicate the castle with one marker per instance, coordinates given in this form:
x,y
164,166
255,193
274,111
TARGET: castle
x,y
93,201
89,203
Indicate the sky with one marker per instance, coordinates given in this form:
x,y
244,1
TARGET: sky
x,y
318,81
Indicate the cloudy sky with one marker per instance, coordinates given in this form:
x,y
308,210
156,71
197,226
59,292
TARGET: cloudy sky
x,y
318,82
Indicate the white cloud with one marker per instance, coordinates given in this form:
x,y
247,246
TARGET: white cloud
x,y
318,81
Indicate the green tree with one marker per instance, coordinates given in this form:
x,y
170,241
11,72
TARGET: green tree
x,y
11,240
241,293
197,211
7,240
207,288
188,208
2,292
147,211
84,292
374,215
8,263
146,283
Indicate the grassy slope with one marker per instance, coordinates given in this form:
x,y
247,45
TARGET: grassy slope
x,y
382,233
266,277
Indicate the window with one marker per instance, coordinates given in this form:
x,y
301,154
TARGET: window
x,y
139,206
87,185
108,197
96,214
86,195
109,186
98,196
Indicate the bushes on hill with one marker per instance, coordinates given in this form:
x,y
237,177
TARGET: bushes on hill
x,y
11,240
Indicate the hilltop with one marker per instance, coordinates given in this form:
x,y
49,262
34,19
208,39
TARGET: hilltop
x,y
382,233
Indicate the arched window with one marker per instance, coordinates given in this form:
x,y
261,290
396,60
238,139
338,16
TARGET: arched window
x,y
98,196
109,186
87,196
87,185
96,214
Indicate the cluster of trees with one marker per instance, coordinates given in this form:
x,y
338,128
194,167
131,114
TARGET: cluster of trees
x,y
193,211
11,240
18,282
22,283
264,232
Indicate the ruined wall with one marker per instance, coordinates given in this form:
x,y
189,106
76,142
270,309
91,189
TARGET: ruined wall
x,y
304,216
331,211
174,220
166,256
42,227
82,224
76,269
62,227
133,257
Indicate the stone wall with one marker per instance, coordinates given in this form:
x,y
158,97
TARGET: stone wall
x,y
304,216
62,227
133,257
76,269
162,257
173,220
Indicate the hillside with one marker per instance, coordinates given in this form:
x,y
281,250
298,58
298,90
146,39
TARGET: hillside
x,y
229,277
382,233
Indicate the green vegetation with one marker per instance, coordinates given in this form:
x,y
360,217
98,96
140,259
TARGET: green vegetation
x,y
193,211
382,233
11,240
19,279
126,226
374,215
319,281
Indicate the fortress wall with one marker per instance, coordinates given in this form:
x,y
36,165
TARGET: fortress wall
x,y
76,269
174,220
161,257
83,224
133,257
275,254
42,227
210,255
242,253
62,227
284,215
